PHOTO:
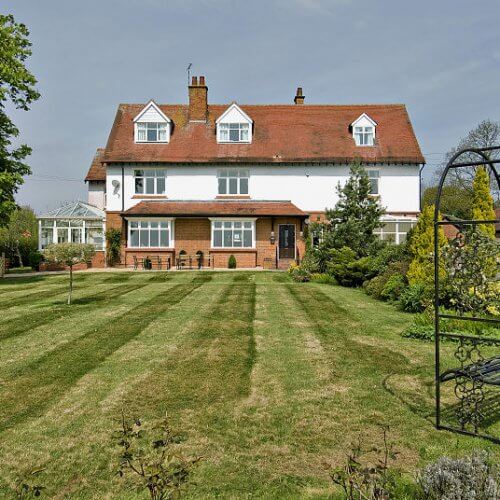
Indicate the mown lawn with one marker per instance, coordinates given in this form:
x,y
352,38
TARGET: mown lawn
x,y
269,379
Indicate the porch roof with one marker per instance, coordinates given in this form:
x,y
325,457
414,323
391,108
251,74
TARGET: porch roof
x,y
218,208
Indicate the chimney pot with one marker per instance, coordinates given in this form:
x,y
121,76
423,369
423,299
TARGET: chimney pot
x,y
299,97
202,80
194,81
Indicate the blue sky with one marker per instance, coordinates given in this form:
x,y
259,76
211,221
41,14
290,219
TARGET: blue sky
x,y
440,58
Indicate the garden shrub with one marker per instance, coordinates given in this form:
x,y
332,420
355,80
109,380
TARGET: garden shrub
x,y
415,298
347,270
375,286
299,274
323,278
393,288
231,263
472,477
114,245
34,260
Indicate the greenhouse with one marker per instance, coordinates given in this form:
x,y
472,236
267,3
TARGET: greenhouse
x,y
77,223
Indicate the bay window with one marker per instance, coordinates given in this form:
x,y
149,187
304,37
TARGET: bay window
x,y
71,231
149,181
233,233
150,234
233,182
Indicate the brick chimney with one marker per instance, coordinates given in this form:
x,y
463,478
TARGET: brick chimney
x,y
198,105
299,97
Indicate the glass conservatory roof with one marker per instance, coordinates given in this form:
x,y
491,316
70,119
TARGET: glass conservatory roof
x,y
76,210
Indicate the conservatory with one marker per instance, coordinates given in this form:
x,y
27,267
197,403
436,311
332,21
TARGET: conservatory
x,y
76,223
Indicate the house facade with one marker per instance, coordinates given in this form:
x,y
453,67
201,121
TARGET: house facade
x,y
245,180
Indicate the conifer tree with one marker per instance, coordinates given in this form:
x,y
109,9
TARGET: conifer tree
x,y
355,216
421,247
482,201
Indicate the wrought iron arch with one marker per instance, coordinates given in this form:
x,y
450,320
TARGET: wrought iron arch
x,y
476,380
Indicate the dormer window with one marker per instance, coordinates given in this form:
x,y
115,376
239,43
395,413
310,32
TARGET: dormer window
x,y
233,132
234,126
152,132
364,136
363,131
151,125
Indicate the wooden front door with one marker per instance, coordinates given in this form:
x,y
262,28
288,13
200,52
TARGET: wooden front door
x,y
287,241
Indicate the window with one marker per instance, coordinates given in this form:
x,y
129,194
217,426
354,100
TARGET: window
x,y
233,234
46,233
233,132
94,234
233,181
374,176
394,230
149,234
74,231
149,181
364,136
151,132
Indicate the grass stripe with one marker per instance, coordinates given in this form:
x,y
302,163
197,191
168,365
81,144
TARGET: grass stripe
x,y
50,376
214,362
14,326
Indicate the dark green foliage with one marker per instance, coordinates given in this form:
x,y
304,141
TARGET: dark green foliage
x,y
394,287
231,263
17,87
355,216
114,245
152,458
34,260
349,271
19,237
415,298
387,254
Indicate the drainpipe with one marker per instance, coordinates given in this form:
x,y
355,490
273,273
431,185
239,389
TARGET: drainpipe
x,y
123,189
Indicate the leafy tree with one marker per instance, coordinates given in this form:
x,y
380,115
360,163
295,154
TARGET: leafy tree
x,y
355,216
482,201
455,200
17,86
486,134
421,247
69,254
20,237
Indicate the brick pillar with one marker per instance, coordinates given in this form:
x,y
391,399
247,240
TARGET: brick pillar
x,y
198,100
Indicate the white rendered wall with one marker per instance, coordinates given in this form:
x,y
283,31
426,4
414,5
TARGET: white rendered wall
x,y
310,188
96,194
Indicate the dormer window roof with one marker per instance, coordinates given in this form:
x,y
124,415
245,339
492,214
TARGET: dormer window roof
x,y
363,130
151,125
234,126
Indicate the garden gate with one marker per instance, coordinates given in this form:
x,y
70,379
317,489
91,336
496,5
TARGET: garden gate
x,y
468,382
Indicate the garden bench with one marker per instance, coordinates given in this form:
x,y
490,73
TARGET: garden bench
x,y
486,371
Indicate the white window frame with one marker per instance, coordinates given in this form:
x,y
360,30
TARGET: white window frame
x,y
230,173
240,127
69,228
146,126
148,220
380,232
374,174
150,173
231,220
158,118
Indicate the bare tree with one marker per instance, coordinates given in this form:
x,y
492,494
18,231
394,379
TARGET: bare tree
x,y
485,135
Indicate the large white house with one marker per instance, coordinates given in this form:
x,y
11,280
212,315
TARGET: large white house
x,y
218,180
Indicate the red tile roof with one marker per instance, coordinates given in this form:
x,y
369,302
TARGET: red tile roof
x,y
240,208
97,171
282,134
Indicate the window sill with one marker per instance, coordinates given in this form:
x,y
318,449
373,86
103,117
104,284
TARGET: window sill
x,y
149,249
151,142
232,250
232,197
149,196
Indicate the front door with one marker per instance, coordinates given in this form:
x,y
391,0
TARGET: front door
x,y
287,241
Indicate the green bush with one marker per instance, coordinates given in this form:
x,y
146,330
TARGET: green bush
x,y
415,298
347,270
299,274
231,263
323,278
19,270
375,286
114,245
393,288
34,260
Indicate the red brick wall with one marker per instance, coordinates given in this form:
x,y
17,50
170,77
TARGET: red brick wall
x,y
97,261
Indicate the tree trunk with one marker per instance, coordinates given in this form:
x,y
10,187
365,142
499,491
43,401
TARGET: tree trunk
x,y
18,252
70,284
